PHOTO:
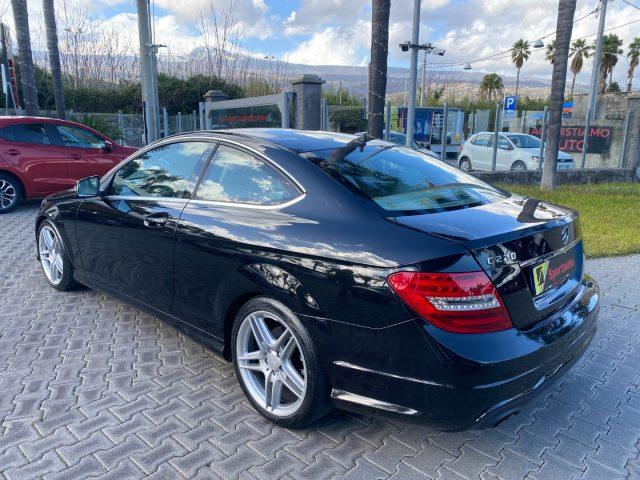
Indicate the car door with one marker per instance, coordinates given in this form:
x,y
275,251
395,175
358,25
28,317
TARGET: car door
x,y
505,155
86,151
482,152
237,207
126,235
28,147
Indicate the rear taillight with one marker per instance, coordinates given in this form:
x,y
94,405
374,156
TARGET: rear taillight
x,y
457,302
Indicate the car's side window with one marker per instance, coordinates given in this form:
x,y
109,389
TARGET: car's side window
x,y
78,137
238,177
481,141
26,133
169,170
503,143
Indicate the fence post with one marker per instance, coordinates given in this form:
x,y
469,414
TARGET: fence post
x,y
179,122
201,112
387,121
543,137
121,126
307,102
445,120
324,112
496,133
625,138
286,114
524,121
165,121
193,120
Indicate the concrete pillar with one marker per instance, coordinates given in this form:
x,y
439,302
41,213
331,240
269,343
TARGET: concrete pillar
x,y
307,101
632,155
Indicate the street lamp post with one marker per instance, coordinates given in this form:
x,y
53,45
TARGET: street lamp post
x,y
411,111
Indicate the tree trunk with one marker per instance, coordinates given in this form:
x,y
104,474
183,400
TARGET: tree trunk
x,y
630,84
573,84
517,81
564,27
54,55
378,66
27,72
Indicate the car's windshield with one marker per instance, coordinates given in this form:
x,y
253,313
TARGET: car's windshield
x,y
524,141
403,181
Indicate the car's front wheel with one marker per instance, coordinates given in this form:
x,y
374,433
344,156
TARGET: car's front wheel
x,y
519,166
10,193
465,164
53,257
277,364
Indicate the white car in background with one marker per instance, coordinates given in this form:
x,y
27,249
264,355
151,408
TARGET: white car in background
x,y
516,151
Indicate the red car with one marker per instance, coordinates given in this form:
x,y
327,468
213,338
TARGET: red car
x,y
40,156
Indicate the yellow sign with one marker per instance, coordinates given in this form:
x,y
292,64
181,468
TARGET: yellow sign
x,y
540,277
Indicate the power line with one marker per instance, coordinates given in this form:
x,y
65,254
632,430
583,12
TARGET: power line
x,y
632,4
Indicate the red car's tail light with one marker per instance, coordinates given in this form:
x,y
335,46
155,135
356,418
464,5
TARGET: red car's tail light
x,y
457,302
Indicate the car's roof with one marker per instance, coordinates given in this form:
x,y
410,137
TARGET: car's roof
x,y
297,140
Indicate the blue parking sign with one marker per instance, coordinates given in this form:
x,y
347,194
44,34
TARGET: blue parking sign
x,y
510,105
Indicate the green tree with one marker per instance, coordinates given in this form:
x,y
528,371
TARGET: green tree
x,y
634,59
564,27
611,49
550,53
520,52
491,85
614,87
579,51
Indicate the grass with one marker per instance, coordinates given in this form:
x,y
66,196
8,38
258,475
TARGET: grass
x,y
609,214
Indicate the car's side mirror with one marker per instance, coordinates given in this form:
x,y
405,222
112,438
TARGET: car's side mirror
x,y
88,187
108,146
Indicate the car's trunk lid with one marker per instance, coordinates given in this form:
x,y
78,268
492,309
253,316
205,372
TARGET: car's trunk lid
x,y
531,250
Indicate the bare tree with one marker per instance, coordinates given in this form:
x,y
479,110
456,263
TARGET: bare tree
x,y
27,70
54,55
378,66
564,27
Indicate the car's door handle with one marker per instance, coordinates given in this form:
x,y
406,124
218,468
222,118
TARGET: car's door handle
x,y
74,156
156,219
12,151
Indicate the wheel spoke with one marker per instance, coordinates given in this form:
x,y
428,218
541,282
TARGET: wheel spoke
x,y
261,332
282,340
272,391
292,380
58,261
288,349
257,355
256,367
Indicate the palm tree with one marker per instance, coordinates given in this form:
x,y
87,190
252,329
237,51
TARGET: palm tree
x,y
550,54
520,52
491,83
611,48
378,66
634,60
27,71
54,55
564,27
579,51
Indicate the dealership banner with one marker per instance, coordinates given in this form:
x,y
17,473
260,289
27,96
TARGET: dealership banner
x,y
571,138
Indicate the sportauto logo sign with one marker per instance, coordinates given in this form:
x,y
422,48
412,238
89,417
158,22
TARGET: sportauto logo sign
x,y
571,138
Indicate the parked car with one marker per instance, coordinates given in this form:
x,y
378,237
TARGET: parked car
x,y
516,151
40,156
334,271
400,139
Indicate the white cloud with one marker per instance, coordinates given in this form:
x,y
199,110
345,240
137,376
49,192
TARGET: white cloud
x,y
333,46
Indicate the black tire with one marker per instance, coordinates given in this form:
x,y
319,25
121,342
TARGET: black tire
x,y
315,403
519,165
67,281
465,164
9,185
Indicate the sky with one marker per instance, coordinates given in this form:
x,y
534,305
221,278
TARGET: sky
x,y
337,32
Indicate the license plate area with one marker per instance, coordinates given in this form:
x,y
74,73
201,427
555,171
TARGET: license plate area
x,y
552,272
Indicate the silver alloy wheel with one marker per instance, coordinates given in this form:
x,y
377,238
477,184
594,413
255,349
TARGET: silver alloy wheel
x,y
519,166
50,252
269,358
465,166
8,194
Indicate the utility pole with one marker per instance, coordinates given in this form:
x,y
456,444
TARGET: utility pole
x,y
593,89
424,68
148,73
411,109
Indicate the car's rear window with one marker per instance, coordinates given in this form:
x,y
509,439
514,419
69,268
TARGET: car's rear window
x,y
402,181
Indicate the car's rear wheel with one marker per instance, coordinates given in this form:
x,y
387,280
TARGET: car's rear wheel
x,y
10,193
519,166
465,164
277,364
54,259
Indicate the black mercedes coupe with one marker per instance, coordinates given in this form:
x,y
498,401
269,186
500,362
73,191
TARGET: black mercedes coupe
x,y
332,269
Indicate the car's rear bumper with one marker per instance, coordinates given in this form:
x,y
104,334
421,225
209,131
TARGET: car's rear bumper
x,y
455,381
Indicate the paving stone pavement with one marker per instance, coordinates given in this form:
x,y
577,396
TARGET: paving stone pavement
x,y
91,387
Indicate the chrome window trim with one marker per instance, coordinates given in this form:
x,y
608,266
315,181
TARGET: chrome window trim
x,y
212,203
210,139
